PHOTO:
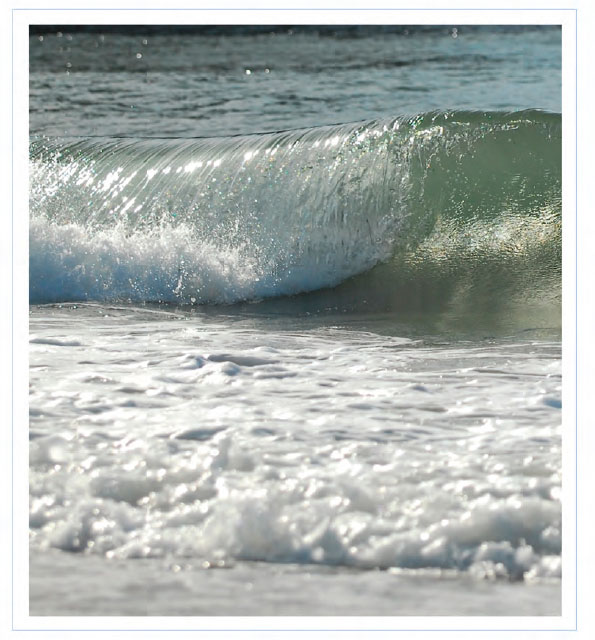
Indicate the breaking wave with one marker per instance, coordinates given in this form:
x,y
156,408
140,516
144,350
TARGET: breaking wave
x,y
432,209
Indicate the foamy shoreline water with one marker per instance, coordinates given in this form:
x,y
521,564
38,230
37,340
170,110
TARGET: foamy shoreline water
x,y
208,441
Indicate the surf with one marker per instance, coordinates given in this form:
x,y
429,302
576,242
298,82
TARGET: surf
x,y
425,206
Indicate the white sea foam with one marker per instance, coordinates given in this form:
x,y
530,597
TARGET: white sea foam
x,y
210,440
170,264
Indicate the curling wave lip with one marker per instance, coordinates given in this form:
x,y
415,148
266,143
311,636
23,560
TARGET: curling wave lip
x,y
220,220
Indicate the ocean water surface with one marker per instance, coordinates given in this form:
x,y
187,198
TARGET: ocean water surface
x,y
295,321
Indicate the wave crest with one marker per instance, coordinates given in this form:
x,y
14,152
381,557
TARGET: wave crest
x,y
435,197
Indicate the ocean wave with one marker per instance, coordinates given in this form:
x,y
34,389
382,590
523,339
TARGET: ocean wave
x,y
427,206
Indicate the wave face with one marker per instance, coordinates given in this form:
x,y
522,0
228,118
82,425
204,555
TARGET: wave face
x,y
431,208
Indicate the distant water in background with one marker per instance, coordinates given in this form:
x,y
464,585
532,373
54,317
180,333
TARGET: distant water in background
x,y
189,84
295,312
